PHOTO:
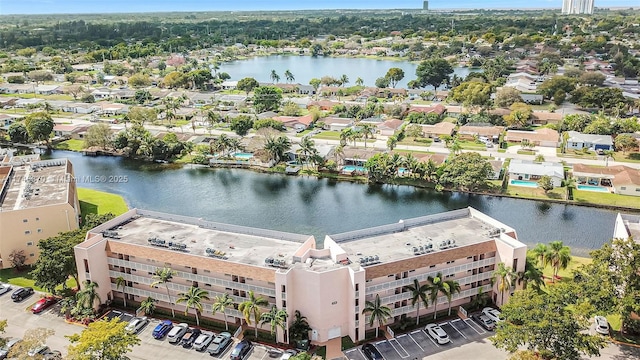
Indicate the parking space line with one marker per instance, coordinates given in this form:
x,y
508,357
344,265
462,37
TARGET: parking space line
x,y
403,349
454,328
475,327
414,340
430,338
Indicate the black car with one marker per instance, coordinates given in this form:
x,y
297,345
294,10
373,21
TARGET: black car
x,y
241,350
371,352
190,338
21,294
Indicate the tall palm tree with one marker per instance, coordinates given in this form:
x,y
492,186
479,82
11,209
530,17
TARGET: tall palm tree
x,y
289,76
559,257
86,298
164,276
608,154
540,252
276,319
299,328
453,287
456,147
274,76
193,299
251,308
277,146
438,285
345,136
367,130
344,80
505,277
418,295
339,153
531,274
221,303
307,148
377,312
359,81
148,305
121,282
570,184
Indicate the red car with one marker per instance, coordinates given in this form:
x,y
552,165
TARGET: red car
x,y
42,304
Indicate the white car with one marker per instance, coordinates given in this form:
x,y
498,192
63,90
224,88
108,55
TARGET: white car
x,y
176,334
203,341
602,325
136,324
287,354
4,288
436,332
492,314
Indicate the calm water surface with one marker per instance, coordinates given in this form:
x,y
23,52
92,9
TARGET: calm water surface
x,y
304,68
319,207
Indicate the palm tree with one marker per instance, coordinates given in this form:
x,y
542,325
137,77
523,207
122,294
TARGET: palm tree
x,y
456,147
339,153
540,252
251,308
299,329
505,276
344,80
121,282
608,154
359,81
221,303
345,136
276,319
559,257
86,298
377,312
531,274
452,287
193,299
164,276
419,295
366,130
307,148
277,146
438,285
148,305
570,184
274,76
480,300
289,76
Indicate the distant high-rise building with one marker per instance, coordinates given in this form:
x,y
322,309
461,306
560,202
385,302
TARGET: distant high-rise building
x,y
425,5
577,6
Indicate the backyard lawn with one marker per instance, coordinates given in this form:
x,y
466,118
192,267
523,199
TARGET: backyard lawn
x,y
536,193
23,278
72,144
98,202
592,197
575,263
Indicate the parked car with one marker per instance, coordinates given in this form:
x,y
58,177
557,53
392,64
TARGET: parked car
x,y
203,341
162,329
176,334
39,350
4,351
484,321
136,324
4,288
371,352
21,294
219,343
53,355
190,338
492,314
287,354
43,304
437,333
241,350
602,325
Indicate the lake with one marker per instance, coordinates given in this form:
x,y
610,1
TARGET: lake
x,y
319,207
304,68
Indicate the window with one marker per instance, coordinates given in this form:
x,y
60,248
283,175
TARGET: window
x,y
209,285
357,302
515,264
32,255
284,303
357,316
432,266
284,288
27,232
469,257
86,265
39,230
451,262
24,220
357,287
30,243
623,188
638,189
37,219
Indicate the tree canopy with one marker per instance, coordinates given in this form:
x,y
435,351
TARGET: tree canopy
x,y
267,98
433,72
102,340
466,171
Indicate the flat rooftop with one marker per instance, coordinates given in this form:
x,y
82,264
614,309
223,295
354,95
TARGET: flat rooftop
x,y
34,184
412,237
632,224
236,243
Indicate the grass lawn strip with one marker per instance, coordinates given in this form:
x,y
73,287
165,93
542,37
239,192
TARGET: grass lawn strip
x,y
98,202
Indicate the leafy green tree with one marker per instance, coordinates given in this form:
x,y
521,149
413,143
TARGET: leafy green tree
x,y
377,312
600,126
382,82
626,142
142,96
433,72
276,147
221,304
495,68
39,126
276,318
98,135
559,96
103,340
467,171
299,329
506,96
576,122
267,98
86,298
164,276
251,309
143,115
531,275
18,133
544,323
174,80
139,80
472,93
26,52
241,125
268,123
247,84
519,116
558,256
545,183
32,339
394,75
419,296
549,87
590,78
597,97
148,305
193,299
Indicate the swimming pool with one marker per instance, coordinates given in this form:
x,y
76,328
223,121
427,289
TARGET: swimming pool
x,y
243,155
350,168
592,188
523,183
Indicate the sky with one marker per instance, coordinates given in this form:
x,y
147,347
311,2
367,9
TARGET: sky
x,y
116,6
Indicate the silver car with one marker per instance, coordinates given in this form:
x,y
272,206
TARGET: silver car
x,y
203,341
176,334
4,351
492,314
4,288
602,325
136,324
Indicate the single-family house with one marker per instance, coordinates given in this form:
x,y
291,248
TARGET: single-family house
x,y
497,166
103,93
114,108
428,109
229,85
541,137
389,127
325,105
72,131
532,171
48,89
476,130
437,158
81,108
532,98
6,121
438,130
297,123
337,124
542,117
579,141
357,156
8,88
23,103
620,179
7,101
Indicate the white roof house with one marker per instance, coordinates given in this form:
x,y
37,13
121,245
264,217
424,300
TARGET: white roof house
x,y
529,170
579,140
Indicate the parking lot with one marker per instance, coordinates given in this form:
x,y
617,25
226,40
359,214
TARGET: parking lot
x,y
418,344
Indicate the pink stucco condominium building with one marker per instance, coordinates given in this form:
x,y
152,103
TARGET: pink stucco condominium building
x,y
329,286
38,199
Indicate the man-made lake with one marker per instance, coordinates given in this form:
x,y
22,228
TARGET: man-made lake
x,y
319,207
305,68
